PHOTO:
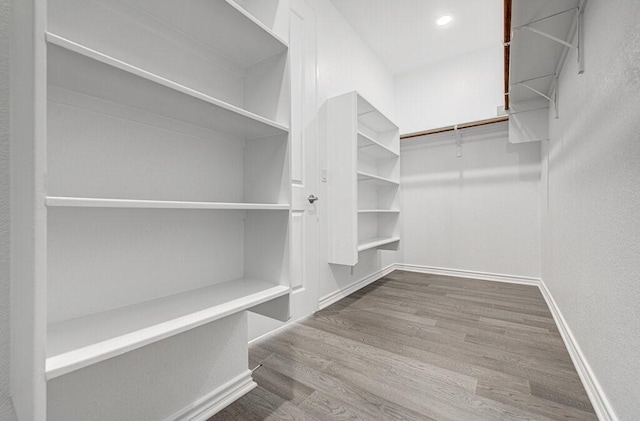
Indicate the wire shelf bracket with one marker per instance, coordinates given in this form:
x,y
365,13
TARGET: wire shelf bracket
x,y
578,25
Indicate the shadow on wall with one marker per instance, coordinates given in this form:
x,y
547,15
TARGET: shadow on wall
x,y
487,157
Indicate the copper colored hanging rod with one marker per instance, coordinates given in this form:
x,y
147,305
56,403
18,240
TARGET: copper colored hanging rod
x,y
478,123
507,50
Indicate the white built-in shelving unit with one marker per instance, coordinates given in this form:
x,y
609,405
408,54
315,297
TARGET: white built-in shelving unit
x,y
160,184
364,179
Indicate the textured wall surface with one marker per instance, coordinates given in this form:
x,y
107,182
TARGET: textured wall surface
x,y
479,212
591,218
465,88
6,411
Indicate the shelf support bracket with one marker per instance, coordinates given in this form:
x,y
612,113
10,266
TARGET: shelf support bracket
x,y
579,32
553,100
549,36
458,142
534,90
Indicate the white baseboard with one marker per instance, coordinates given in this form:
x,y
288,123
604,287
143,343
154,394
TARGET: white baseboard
x,y
600,403
498,277
210,404
329,299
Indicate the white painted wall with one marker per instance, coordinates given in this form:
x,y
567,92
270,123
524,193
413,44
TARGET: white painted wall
x,y
465,88
479,212
591,206
6,411
345,63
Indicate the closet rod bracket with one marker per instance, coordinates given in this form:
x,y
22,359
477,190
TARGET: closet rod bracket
x,y
458,141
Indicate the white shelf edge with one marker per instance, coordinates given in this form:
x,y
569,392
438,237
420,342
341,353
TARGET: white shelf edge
x,y
377,144
256,22
376,242
378,211
61,42
76,359
366,177
88,202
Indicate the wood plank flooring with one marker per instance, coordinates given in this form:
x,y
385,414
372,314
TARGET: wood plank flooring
x,y
418,347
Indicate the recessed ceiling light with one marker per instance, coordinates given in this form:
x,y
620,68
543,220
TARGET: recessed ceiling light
x,y
444,20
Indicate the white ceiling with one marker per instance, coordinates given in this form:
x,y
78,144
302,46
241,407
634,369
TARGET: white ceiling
x,y
404,35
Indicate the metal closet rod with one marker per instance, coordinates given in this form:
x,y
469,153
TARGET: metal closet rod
x,y
478,123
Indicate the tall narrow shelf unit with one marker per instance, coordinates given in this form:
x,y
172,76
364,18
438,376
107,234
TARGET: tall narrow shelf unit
x,y
160,184
364,179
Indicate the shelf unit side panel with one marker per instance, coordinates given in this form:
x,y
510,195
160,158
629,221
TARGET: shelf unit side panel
x,y
342,161
28,214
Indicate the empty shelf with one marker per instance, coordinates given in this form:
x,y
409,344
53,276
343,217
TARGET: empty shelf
x,y
378,211
370,243
374,148
372,118
362,176
153,97
86,202
80,342
224,26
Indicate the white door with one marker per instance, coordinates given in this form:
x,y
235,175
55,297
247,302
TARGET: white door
x,y
304,165
304,171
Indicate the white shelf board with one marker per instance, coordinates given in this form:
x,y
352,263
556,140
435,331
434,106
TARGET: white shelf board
x,y
363,176
88,202
378,211
370,243
78,343
374,148
226,117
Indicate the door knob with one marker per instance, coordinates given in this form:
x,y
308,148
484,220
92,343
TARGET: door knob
x,y
312,198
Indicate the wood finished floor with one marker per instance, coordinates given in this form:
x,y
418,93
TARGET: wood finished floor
x,y
419,347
